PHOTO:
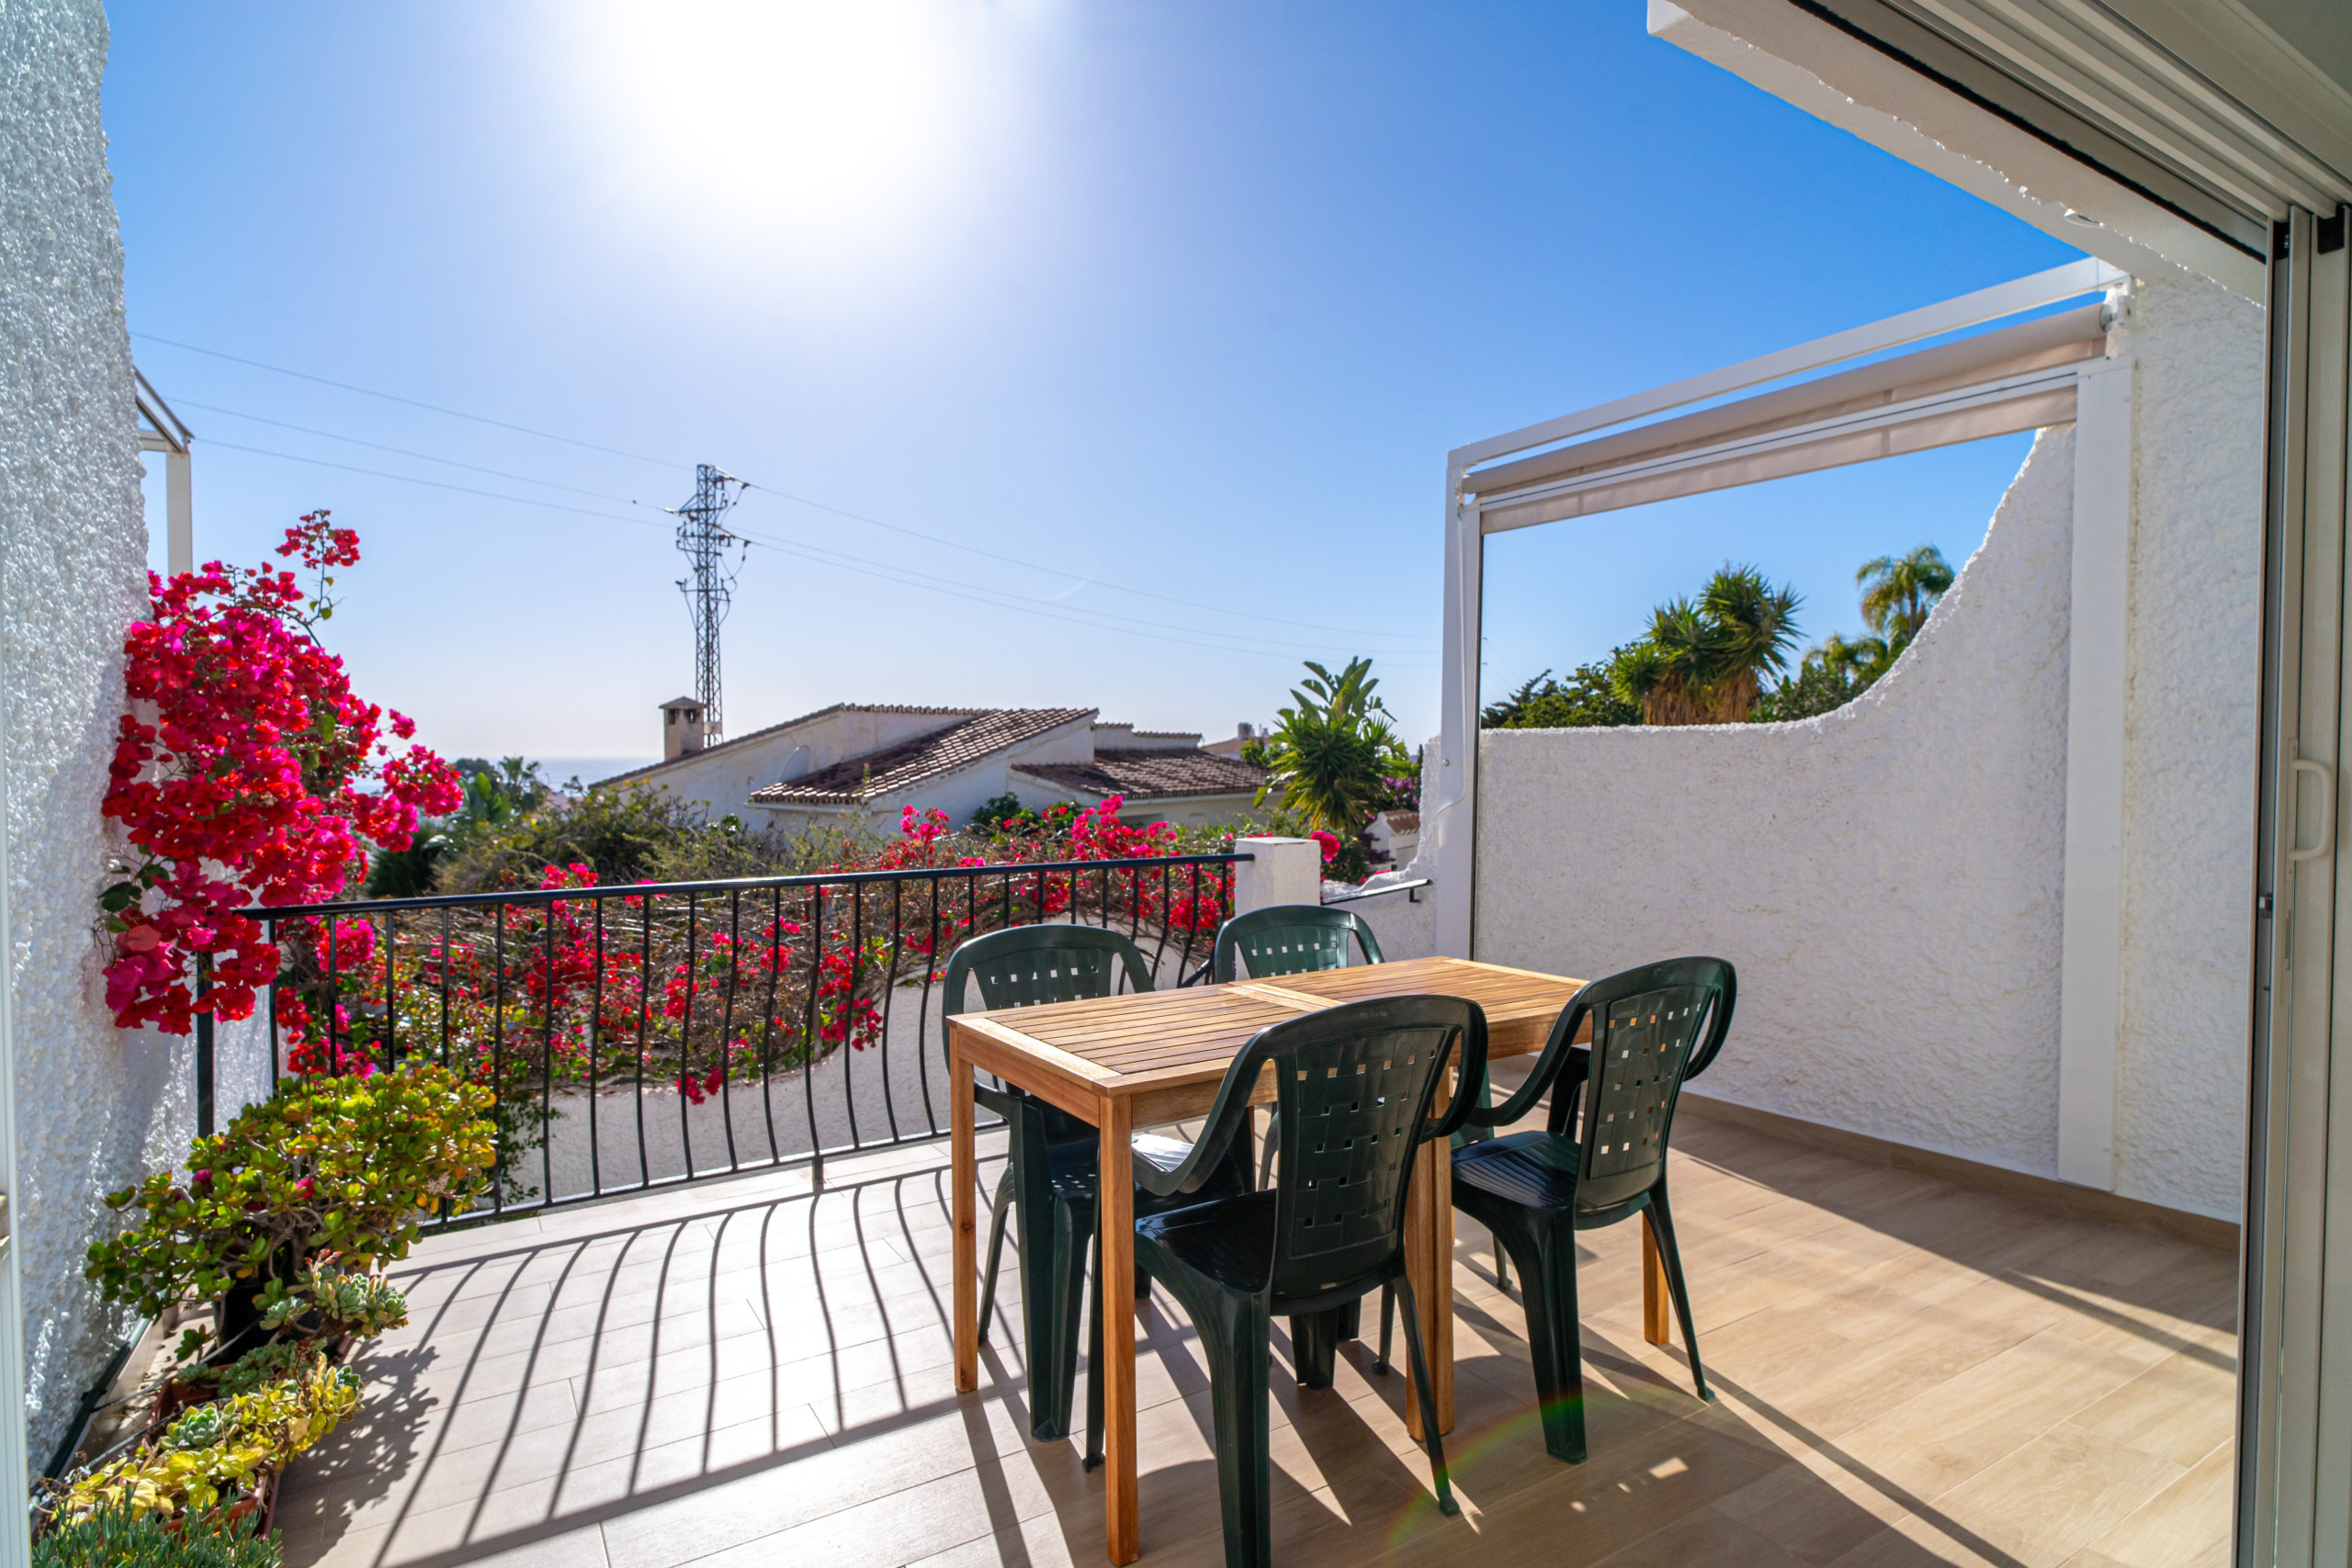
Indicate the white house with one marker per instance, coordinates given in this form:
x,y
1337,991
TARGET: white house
x,y
855,760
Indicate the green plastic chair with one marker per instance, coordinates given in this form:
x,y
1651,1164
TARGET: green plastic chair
x,y
1299,939
1354,1084
1653,1029
1049,1185
1289,939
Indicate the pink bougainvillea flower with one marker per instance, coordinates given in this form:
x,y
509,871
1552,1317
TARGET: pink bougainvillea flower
x,y
246,772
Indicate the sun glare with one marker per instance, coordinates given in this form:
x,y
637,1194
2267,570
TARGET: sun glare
x,y
843,119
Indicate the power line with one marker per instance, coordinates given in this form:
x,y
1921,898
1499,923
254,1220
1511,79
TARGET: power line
x,y
781,494
404,452
434,484
412,402
1034,566
1093,620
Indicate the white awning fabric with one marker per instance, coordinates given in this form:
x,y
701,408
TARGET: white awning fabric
x,y
2020,378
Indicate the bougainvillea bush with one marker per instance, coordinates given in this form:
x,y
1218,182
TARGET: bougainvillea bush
x,y
247,772
595,985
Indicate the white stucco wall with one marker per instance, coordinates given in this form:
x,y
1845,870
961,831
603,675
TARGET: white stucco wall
x,y
1887,877
2191,734
91,1103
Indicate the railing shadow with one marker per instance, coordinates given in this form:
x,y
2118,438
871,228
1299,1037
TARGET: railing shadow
x,y
605,1378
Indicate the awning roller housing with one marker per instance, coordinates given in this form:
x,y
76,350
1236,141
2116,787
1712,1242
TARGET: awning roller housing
x,y
2018,378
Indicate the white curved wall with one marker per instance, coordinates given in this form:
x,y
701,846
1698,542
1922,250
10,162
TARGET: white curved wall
x,y
90,1100
1887,877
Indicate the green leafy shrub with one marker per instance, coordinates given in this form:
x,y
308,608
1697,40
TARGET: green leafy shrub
x,y
347,1165
253,1435
117,1537
1588,698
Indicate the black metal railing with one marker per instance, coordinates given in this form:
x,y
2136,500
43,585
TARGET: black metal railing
x,y
638,1036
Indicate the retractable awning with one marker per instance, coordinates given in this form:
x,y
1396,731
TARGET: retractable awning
x,y
2019,378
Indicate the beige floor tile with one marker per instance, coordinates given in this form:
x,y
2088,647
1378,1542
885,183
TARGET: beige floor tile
x,y
2184,1526
2050,1498
746,1373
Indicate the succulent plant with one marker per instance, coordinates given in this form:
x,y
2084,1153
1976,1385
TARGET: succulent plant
x,y
199,1427
260,1431
117,1537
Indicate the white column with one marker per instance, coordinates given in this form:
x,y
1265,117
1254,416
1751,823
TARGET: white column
x,y
179,512
1285,871
2091,940
1449,826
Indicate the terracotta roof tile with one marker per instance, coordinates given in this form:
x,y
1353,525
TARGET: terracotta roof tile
x,y
1151,775
770,730
925,757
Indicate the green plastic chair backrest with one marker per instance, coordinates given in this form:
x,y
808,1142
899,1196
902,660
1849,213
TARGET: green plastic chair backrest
x,y
1653,1028
1026,965
1290,938
1354,1084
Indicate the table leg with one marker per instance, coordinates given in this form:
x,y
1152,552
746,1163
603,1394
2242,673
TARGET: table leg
x,y
963,1175
1428,1258
1116,1281
1656,1326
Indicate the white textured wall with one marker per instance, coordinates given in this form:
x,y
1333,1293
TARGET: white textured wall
x,y
1887,877
2191,733
90,1101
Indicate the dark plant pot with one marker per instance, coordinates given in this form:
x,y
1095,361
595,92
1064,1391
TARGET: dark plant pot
x,y
239,1312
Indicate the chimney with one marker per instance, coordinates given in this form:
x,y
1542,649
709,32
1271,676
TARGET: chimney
x,y
681,728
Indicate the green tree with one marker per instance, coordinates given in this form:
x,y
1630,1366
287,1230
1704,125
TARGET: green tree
x,y
1587,698
1833,673
1898,592
1704,659
1333,750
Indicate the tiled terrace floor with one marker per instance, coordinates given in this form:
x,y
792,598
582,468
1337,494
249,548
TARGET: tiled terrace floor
x,y
1909,1373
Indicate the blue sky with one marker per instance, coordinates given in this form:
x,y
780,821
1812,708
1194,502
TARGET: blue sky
x,y
1164,315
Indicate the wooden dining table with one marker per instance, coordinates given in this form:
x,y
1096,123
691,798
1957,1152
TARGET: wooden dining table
x,y
1155,1057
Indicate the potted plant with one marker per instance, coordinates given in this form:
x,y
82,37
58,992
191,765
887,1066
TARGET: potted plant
x,y
339,1168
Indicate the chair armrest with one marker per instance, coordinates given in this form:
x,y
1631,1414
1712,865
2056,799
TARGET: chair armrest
x,y
1557,1047
1159,1156
1472,1073
998,1101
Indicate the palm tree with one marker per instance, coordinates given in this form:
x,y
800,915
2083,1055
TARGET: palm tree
x,y
1898,591
1757,625
1703,660
1329,751
1864,659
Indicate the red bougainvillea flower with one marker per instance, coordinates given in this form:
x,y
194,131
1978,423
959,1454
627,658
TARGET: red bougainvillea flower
x,y
246,772
1330,842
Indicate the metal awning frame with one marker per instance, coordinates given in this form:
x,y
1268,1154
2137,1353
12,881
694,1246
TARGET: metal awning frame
x,y
2044,395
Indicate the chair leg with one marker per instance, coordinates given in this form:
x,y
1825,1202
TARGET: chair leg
x,y
1053,1284
997,1213
1387,1315
1314,1346
1236,1338
1547,1279
1672,1258
1420,1364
